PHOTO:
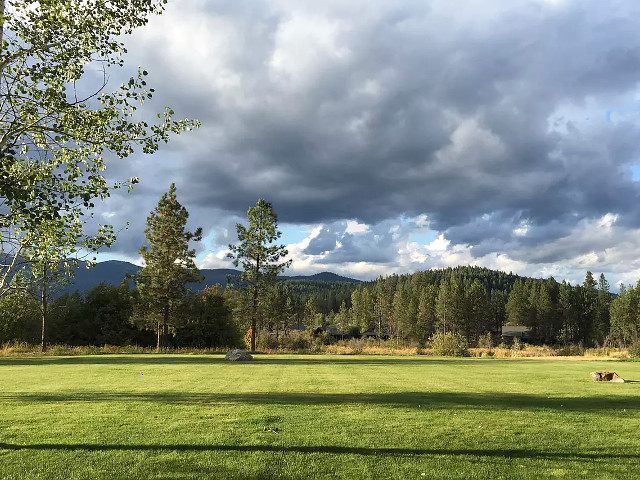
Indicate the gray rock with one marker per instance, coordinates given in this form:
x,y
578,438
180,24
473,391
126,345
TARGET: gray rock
x,y
238,355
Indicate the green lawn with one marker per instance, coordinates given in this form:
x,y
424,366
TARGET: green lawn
x,y
184,416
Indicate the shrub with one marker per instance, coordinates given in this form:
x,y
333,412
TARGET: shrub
x,y
486,341
325,338
297,340
634,350
449,345
517,344
266,341
356,345
571,350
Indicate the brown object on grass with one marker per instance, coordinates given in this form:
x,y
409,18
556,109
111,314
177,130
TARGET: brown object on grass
x,y
606,377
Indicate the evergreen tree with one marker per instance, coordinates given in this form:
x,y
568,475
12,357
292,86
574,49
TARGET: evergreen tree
x,y
383,305
208,322
590,305
343,320
362,309
571,309
450,307
168,265
518,305
478,309
601,317
108,308
544,313
260,260
426,316
498,310
310,312
625,321
402,311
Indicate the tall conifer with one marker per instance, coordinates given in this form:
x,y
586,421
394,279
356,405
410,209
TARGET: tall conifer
x,y
259,258
168,264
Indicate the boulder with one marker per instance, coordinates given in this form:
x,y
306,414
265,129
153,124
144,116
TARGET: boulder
x,y
606,377
238,355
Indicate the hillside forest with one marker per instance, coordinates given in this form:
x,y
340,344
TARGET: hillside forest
x,y
472,302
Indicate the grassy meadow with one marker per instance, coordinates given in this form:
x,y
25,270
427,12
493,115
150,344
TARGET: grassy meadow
x,y
198,416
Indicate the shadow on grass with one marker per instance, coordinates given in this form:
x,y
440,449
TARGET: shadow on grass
x,y
600,404
171,359
330,449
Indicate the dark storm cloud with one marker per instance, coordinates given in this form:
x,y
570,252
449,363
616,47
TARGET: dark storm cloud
x,y
486,116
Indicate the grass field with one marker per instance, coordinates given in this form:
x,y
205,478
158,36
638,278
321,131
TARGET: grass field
x,y
187,416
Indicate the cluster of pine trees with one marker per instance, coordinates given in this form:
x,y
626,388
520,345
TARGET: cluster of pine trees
x,y
473,301
468,301
105,316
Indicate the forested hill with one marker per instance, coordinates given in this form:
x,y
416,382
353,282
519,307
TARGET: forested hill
x,y
112,272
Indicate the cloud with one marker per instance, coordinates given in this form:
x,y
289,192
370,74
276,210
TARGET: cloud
x,y
511,126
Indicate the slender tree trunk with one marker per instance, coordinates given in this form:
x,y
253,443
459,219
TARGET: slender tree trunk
x,y
1,25
158,334
253,317
255,306
165,326
43,305
165,335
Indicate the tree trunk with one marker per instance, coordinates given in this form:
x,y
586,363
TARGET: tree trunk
x,y
165,326
255,306
1,25
253,318
158,339
43,306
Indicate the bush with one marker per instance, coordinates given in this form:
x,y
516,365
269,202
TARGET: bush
x,y
266,341
297,340
571,350
325,338
449,345
486,341
634,350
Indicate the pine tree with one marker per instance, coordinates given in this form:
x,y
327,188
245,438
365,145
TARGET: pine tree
x,y
478,310
260,260
518,304
590,304
450,307
169,264
601,319
426,316
544,313
310,312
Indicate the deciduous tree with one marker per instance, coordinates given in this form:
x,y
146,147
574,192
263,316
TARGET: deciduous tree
x,y
57,124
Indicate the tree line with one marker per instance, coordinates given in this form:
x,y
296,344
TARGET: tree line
x,y
468,301
473,302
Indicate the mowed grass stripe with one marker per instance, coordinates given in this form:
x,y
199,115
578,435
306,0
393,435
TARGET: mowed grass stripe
x,y
186,416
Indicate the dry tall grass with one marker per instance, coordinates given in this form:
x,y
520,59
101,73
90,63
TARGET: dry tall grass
x,y
351,347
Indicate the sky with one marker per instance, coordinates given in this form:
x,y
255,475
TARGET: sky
x,y
392,137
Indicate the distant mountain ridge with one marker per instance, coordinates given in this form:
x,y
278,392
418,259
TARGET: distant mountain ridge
x,y
112,272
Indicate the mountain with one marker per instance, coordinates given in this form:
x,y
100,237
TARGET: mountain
x,y
322,277
112,272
